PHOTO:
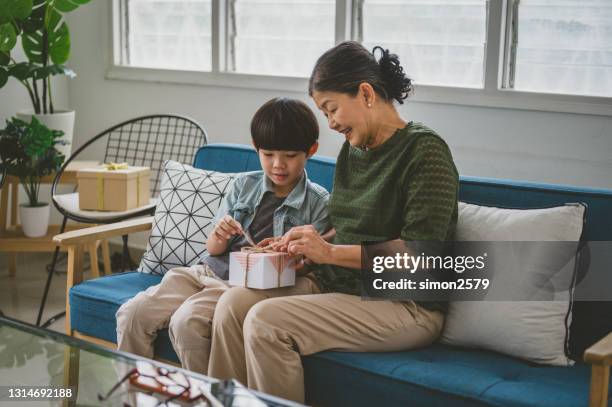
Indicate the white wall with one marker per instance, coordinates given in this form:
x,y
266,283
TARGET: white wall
x,y
13,97
505,143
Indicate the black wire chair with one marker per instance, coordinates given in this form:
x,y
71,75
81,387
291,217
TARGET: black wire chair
x,y
144,141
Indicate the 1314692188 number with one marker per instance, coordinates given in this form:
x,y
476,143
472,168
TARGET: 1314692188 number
x,y
36,393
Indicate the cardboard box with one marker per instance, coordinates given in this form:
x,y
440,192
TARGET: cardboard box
x,y
261,270
103,189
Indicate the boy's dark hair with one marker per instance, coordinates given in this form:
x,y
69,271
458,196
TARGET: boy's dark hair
x,y
347,65
284,124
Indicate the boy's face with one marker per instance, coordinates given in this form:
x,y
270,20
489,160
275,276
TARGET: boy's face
x,y
283,168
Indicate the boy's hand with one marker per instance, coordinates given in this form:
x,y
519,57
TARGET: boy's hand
x,y
227,228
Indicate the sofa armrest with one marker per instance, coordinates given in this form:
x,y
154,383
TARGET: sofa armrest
x,y
76,240
601,352
600,357
87,235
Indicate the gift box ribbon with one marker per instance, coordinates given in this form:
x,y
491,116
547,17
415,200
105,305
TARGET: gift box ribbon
x,y
115,166
100,182
279,262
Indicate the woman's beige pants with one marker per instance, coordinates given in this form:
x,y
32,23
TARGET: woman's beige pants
x,y
263,347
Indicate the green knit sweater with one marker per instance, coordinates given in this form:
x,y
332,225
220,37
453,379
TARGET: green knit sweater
x,y
406,188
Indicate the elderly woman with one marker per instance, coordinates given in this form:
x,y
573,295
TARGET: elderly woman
x,y
394,179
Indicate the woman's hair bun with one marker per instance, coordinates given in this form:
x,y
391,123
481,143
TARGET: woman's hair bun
x,y
397,85
346,66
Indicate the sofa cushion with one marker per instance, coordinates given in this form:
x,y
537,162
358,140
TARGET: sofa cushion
x,y
94,303
534,330
441,375
591,320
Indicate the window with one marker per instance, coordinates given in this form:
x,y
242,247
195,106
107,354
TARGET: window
x,y
439,42
168,34
553,55
279,37
562,46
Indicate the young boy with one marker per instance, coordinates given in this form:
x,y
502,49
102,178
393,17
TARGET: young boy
x,y
264,203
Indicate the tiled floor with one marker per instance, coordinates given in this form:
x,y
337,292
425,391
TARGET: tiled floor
x,y
34,360
20,295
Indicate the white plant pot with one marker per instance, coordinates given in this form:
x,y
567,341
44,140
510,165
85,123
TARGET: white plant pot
x,y
34,219
60,120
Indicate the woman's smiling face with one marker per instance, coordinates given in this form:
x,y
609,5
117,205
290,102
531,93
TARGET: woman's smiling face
x,y
345,114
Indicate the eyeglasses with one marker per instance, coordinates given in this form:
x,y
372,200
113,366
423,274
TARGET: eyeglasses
x,y
170,383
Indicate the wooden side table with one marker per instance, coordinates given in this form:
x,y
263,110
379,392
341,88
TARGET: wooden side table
x,y
12,239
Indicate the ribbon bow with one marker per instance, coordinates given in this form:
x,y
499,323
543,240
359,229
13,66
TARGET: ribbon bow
x,y
115,166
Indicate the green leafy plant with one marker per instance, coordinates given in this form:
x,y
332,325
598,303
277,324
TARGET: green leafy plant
x,y
45,40
28,152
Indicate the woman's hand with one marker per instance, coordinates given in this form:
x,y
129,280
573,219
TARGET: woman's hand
x,y
268,241
305,240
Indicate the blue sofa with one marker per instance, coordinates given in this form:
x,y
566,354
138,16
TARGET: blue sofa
x,y
438,375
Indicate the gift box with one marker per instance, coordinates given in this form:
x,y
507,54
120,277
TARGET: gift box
x,y
261,269
113,187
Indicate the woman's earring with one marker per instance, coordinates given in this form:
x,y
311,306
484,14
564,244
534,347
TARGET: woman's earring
x,y
369,105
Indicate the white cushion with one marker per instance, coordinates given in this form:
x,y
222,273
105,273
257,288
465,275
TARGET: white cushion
x,y
188,201
533,330
70,203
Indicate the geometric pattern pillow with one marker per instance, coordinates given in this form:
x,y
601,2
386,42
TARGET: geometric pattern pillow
x,y
188,201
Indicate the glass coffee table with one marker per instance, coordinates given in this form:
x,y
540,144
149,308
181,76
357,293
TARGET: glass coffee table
x,y
42,367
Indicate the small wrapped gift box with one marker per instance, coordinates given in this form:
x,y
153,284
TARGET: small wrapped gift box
x,y
261,269
113,187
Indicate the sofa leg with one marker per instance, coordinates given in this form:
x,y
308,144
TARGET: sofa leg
x,y
600,378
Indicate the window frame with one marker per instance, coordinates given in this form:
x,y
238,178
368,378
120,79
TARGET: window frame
x,y
494,94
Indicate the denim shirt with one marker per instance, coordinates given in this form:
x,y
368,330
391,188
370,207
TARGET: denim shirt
x,y
306,204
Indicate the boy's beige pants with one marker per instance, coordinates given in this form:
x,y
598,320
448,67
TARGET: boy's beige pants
x,y
185,303
264,349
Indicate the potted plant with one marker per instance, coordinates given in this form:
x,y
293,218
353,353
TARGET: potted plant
x,y
28,151
45,39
